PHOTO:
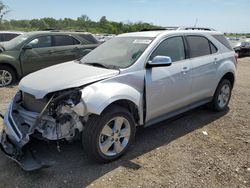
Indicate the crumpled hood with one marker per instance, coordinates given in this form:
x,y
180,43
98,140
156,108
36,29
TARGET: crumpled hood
x,y
62,76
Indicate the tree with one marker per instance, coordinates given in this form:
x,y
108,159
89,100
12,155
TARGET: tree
x,y
3,10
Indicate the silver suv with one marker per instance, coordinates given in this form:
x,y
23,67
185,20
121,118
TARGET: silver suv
x,y
132,80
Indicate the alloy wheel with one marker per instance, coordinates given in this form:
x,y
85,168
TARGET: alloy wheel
x,y
5,78
115,136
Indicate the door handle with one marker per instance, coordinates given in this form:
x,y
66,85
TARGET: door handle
x,y
215,61
50,51
185,70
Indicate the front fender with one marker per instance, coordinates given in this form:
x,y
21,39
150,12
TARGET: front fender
x,y
98,96
11,59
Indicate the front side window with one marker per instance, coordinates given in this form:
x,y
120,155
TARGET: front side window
x,y
172,47
198,46
41,42
65,40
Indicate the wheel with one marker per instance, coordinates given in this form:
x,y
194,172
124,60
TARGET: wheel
x,y
7,76
106,137
222,95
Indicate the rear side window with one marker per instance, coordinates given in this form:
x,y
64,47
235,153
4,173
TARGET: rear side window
x,y
64,40
223,41
198,46
172,47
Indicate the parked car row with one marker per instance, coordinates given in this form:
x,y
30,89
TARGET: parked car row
x,y
33,51
132,80
240,45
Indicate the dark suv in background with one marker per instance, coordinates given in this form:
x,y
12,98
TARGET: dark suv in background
x,y
33,51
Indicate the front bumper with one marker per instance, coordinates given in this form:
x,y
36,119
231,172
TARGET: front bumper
x,y
14,139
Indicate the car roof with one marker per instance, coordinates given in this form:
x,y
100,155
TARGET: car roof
x,y
154,34
13,32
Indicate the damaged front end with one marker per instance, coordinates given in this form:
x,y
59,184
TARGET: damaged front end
x,y
54,117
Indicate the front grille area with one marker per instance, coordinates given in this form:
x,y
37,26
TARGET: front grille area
x,y
30,103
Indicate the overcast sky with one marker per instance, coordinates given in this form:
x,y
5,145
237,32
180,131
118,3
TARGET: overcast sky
x,y
223,15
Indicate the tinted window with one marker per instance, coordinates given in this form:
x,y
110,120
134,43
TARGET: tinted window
x,y
223,41
41,42
213,48
9,36
64,40
198,46
89,38
172,47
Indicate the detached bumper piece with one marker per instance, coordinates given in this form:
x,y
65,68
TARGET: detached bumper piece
x,y
22,156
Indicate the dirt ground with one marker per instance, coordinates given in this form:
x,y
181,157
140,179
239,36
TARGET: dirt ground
x,y
173,153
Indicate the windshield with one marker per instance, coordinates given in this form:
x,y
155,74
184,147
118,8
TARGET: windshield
x,y
119,52
16,41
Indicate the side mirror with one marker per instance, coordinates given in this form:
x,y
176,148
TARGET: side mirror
x,y
27,47
159,61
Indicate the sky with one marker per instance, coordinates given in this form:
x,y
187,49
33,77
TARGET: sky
x,y
222,15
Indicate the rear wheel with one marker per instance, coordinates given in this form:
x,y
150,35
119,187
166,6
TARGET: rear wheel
x,y
222,95
108,136
7,76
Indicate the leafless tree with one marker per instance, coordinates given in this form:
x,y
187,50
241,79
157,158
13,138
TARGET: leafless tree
x,y
3,10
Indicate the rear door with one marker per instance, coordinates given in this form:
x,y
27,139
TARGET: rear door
x,y
204,58
66,48
168,88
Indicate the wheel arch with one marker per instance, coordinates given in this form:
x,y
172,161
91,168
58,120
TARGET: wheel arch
x,y
10,66
129,105
230,77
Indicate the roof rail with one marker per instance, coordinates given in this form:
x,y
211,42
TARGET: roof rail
x,y
196,28
180,28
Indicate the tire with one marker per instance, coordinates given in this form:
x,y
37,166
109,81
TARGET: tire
x,y
222,98
94,140
7,76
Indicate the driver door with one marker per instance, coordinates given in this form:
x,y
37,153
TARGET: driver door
x,y
37,54
168,88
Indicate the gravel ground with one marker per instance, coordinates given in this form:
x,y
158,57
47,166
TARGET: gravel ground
x,y
173,153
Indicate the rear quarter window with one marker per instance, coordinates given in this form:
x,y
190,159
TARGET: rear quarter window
x,y
88,38
223,41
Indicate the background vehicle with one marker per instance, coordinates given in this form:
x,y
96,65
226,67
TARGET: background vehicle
x,y
135,79
241,46
9,35
36,50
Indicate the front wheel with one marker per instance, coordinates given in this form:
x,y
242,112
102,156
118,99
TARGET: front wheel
x,y
222,95
106,137
7,76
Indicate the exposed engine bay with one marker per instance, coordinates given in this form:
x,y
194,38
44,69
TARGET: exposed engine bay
x,y
54,117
